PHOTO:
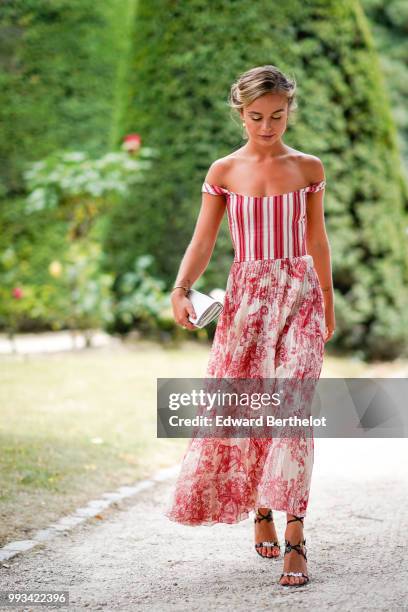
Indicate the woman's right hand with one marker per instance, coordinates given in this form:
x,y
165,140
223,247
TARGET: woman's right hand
x,y
182,308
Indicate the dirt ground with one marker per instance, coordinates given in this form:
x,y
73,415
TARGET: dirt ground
x,y
134,558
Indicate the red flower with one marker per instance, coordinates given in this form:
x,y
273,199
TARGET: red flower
x,y
17,293
132,142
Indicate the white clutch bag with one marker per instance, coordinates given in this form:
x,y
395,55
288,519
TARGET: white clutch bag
x,y
206,308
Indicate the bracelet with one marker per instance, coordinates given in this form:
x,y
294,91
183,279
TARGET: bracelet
x,y
186,289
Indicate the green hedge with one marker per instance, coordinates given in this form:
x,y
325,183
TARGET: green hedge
x,y
180,75
389,23
59,89
29,243
59,66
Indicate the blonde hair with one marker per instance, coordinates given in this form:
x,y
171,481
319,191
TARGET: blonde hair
x,y
258,81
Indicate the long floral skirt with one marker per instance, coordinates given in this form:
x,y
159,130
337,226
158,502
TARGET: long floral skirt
x,y
272,326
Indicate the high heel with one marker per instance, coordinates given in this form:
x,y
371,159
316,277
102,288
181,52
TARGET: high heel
x,y
300,548
268,517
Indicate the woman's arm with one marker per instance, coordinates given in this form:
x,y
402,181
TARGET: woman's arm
x,y
200,248
318,243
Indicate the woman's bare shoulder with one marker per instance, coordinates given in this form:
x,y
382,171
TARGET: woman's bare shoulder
x,y
311,166
217,172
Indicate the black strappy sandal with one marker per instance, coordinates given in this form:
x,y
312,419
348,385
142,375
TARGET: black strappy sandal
x,y
268,517
297,547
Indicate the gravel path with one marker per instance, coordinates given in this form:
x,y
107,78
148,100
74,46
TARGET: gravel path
x,y
136,559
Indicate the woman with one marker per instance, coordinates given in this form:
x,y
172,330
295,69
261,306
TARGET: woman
x,y
278,313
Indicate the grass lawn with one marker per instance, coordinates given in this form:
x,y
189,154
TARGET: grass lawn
x,y
75,425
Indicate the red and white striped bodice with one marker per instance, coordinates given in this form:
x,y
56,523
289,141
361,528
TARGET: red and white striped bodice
x,y
266,227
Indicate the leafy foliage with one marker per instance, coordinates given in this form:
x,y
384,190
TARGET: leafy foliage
x,y
389,23
59,61
142,298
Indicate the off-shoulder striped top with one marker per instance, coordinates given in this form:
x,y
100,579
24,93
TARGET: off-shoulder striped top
x,y
266,227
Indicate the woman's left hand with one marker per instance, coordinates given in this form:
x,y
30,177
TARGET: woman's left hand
x,y
330,322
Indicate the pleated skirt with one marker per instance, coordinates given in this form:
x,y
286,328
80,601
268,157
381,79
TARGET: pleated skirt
x,y
272,326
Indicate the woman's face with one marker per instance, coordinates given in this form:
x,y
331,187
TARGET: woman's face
x,y
266,118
